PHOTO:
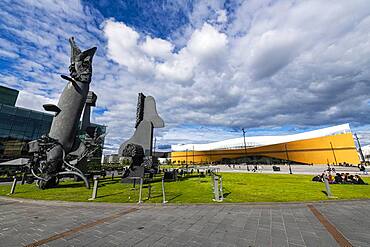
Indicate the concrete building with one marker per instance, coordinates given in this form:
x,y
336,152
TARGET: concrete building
x,y
333,145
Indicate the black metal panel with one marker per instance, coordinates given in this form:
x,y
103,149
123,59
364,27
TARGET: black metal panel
x,y
140,109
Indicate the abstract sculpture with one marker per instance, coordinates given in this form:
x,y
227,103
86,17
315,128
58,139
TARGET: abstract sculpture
x,y
147,118
139,146
60,152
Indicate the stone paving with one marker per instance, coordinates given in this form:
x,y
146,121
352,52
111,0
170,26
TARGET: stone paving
x,y
24,222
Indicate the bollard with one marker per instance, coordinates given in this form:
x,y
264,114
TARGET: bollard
x,y
149,190
95,189
141,191
23,178
221,190
12,189
327,187
215,188
133,188
213,184
163,192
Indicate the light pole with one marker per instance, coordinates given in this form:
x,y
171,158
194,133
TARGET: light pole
x,y
155,143
359,148
288,160
186,157
335,157
193,154
245,149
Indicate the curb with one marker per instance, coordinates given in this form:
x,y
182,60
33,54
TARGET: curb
x,y
153,205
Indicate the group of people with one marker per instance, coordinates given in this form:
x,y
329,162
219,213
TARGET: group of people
x,y
253,168
339,178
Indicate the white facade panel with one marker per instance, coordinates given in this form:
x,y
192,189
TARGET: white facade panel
x,y
255,141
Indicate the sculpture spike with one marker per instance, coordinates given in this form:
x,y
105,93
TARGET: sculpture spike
x,y
75,51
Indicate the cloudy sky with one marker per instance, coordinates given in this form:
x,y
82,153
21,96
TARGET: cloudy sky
x,y
214,67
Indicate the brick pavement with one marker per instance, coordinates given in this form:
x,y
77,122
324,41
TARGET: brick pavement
x,y
25,223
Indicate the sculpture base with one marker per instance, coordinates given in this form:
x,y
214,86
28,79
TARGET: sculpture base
x,y
136,172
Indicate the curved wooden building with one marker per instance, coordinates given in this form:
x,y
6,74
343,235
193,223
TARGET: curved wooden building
x,y
333,145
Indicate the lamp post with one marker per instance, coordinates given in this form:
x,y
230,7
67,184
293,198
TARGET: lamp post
x,y
245,149
193,154
155,143
186,157
359,148
288,160
335,157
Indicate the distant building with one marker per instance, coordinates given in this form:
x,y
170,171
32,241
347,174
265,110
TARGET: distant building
x,y
366,152
104,159
8,96
333,145
19,125
113,159
164,161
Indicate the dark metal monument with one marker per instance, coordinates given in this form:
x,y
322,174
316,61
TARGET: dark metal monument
x,y
61,152
139,146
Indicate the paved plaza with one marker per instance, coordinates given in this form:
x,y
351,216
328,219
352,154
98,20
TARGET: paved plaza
x,y
284,169
43,223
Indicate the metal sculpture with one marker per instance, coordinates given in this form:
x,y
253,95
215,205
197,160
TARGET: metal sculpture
x,y
147,119
136,152
60,152
139,146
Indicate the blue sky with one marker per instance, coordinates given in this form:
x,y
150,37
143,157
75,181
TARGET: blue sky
x,y
273,67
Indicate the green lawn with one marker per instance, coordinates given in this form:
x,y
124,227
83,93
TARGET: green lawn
x,y
238,187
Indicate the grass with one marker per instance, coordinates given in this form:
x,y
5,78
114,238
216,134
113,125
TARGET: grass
x,y
238,187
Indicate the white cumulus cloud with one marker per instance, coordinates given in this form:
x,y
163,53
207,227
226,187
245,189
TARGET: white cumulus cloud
x,y
260,64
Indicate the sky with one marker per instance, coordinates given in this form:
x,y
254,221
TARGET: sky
x,y
214,67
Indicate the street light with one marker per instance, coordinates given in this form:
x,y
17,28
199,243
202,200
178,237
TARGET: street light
x,y
193,155
288,160
245,149
360,149
186,157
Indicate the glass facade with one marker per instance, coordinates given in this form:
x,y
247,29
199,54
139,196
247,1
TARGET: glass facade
x,y
8,96
18,126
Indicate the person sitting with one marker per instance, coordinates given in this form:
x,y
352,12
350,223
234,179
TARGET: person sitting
x,y
331,179
358,180
338,178
316,178
322,177
345,178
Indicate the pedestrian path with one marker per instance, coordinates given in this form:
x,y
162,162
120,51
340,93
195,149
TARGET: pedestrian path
x,y
284,169
39,223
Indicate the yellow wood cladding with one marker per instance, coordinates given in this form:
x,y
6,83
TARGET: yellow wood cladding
x,y
333,149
